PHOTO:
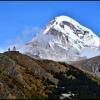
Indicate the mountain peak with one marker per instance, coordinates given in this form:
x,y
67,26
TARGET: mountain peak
x,y
65,18
62,39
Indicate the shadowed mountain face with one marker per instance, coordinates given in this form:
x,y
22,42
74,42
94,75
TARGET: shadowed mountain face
x,y
22,77
92,65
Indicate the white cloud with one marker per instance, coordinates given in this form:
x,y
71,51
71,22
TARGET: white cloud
x,y
27,35
1,50
90,52
20,40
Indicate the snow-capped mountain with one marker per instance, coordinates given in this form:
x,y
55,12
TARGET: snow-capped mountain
x,y
62,40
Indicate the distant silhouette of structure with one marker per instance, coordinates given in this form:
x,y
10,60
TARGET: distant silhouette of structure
x,y
8,49
14,48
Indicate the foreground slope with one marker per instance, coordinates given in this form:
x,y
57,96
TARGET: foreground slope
x,y
27,78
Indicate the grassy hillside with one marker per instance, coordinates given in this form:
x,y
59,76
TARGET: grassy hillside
x,y
22,77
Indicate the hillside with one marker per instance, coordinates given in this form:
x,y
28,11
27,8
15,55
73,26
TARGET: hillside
x,y
92,65
22,77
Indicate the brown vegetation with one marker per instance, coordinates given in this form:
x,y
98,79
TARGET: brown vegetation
x,y
22,77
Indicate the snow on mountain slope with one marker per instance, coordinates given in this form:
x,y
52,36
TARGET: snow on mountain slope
x,y
62,40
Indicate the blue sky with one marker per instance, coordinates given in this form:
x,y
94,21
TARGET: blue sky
x,y
19,21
